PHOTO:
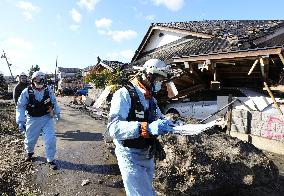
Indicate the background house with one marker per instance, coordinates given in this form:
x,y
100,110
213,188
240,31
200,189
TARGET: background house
x,y
68,72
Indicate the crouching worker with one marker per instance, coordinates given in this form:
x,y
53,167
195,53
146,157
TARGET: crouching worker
x,y
37,106
134,122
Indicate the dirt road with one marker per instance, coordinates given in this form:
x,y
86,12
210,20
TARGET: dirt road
x,y
82,158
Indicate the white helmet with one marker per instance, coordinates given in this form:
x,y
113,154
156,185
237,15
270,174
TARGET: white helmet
x,y
156,66
38,79
23,74
38,75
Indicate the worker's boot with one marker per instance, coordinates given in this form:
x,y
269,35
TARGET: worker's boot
x,y
52,165
29,157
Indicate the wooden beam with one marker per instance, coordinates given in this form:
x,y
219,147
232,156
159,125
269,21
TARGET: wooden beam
x,y
273,98
229,120
253,66
229,55
262,68
277,88
281,57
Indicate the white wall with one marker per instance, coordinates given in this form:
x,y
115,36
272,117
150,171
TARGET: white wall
x,y
156,41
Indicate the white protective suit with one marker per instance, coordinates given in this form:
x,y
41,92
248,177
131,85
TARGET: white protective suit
x,y
36,125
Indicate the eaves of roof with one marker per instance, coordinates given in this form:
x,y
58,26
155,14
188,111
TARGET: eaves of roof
x,y
276,50
170,29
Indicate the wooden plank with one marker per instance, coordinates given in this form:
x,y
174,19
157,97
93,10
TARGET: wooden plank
x,y
264,67
229,55
273,98
253,66
277,88
281,57
229,122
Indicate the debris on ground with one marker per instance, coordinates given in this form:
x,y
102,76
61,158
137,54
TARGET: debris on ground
x,y
212,163
6,95
85,182
15,173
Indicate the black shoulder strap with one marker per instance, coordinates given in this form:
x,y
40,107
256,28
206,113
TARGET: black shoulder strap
x,y
31,95
46,92
135,102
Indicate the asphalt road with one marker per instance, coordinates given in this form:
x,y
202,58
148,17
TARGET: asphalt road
x,y
82,158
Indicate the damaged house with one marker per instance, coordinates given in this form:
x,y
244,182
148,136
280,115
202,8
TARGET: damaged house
x,y
213,59
218,53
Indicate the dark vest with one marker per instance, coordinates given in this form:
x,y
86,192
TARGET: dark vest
x,y
18,90
137,113
37,108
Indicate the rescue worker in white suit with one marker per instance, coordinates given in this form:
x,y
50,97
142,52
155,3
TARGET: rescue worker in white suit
x,y
37,106
134,121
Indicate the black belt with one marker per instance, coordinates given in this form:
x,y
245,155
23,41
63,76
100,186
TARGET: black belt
x,y
138,143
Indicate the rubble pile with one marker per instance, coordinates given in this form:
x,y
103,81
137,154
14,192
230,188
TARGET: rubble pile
x,y
14,172
7,117
6,95
211,163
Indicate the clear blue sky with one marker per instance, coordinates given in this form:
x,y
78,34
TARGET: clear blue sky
x,y
77,31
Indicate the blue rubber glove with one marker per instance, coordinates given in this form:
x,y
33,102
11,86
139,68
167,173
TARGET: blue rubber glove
x,y
22,127
58,117
160,126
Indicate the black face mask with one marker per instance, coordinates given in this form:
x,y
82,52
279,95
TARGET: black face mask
x,y
38,84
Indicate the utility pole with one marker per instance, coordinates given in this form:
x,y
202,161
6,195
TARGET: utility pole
x,y
55,76
9,65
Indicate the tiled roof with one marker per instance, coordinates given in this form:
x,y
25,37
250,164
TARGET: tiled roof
x,y
69,70
276,41
184,48
113,64
239,29
86,69
228,35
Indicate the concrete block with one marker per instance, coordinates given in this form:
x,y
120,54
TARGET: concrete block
x,y
262,143
258,125
238,128
240,113
273,135
255,131
240,121
255,115
279,128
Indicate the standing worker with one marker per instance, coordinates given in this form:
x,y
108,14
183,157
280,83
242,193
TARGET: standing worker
x,y
39,104
134,122
22,84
